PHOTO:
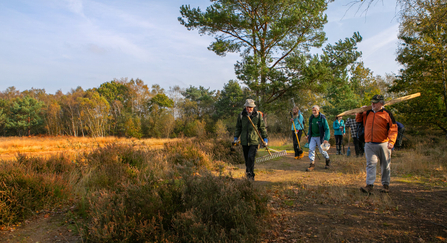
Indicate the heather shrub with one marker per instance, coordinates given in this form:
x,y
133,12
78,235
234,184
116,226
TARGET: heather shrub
x,y
22,192
222,150
188,207
219,209
59,164
187,153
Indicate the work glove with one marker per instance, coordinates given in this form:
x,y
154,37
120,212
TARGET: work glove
x,y
234,143
265,141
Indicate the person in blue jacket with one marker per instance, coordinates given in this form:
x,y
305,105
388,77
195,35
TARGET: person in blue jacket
x,y
339,132
297,127
319,133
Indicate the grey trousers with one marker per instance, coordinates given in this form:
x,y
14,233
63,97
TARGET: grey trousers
x,y
375,153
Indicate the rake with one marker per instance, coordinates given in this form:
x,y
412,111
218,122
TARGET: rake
x,y
273,155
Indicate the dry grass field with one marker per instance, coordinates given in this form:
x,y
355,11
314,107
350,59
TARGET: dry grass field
x,y
319,206
45,146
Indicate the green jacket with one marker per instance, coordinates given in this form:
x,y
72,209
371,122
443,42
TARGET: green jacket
x,y
245,130
325,132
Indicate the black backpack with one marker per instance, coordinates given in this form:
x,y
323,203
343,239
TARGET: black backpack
x,y
361,129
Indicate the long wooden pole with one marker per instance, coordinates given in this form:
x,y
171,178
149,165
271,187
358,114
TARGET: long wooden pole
x,y
391,102
259,135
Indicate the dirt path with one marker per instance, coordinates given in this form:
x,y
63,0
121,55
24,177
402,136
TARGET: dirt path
x,y
327,206
319,206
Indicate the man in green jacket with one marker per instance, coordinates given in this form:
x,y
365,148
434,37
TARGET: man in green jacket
x,y
318,134
249,136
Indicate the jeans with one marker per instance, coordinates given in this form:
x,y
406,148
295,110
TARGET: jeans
x,y
314,142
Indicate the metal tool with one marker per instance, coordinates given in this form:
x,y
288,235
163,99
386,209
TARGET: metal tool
x,y
273,155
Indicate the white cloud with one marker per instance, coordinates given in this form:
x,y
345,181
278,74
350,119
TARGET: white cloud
x,y
384,39
75,6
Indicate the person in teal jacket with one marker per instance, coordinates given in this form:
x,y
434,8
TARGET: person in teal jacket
x,y
297,127
319,133
339,132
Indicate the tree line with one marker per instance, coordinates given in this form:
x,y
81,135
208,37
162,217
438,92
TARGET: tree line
x,y
132,108
274,39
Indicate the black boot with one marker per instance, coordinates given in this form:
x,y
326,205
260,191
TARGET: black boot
x,y
338,149
328,161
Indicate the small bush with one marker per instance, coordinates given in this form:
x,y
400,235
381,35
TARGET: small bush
x,y
186,153
23,192
191,207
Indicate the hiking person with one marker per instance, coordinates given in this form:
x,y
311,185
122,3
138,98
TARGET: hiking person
x,y
339,132
319,133
249,136
358,145
400,134
297,130
380,136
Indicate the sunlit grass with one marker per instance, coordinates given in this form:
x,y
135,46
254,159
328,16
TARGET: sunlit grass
x,y
10,146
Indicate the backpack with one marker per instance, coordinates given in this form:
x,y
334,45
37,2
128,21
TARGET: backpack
x,y
361,129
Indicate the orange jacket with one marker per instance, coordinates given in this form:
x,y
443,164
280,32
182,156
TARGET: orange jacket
x,y
380,127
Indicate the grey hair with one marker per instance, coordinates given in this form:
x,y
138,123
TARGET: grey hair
x,y
316,107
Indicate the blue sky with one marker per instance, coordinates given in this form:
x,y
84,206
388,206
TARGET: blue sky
x,y
62,44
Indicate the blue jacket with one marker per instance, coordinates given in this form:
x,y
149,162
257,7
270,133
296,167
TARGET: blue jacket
x,y
337,124
299,122
325,132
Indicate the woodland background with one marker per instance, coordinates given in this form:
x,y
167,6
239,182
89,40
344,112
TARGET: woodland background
x,y
276,66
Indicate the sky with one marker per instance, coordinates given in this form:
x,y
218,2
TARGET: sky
x,y
62,44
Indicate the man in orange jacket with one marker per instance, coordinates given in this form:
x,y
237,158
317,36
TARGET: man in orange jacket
x,y
380,136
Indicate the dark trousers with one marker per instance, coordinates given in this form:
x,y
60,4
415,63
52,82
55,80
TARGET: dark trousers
x,y
400,137
297,149
338,140
359,147
249,156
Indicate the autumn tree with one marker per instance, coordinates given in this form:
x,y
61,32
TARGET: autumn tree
x,y
265,33
423,53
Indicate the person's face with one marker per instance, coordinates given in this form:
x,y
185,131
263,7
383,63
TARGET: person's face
x,y
249,109
315,111
295,110
376,106
339,118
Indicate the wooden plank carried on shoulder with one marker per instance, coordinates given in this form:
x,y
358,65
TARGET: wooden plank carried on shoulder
x,y
391,102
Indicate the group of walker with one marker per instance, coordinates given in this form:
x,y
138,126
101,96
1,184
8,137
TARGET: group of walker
x,y
379,128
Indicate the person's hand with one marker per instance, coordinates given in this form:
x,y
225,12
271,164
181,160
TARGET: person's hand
x,y
325,141
390,145
266,141
296,131
291,119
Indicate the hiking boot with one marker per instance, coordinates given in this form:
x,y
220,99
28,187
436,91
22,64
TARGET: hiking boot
x,y
367,189
385,189
311,167
297,157
328,161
